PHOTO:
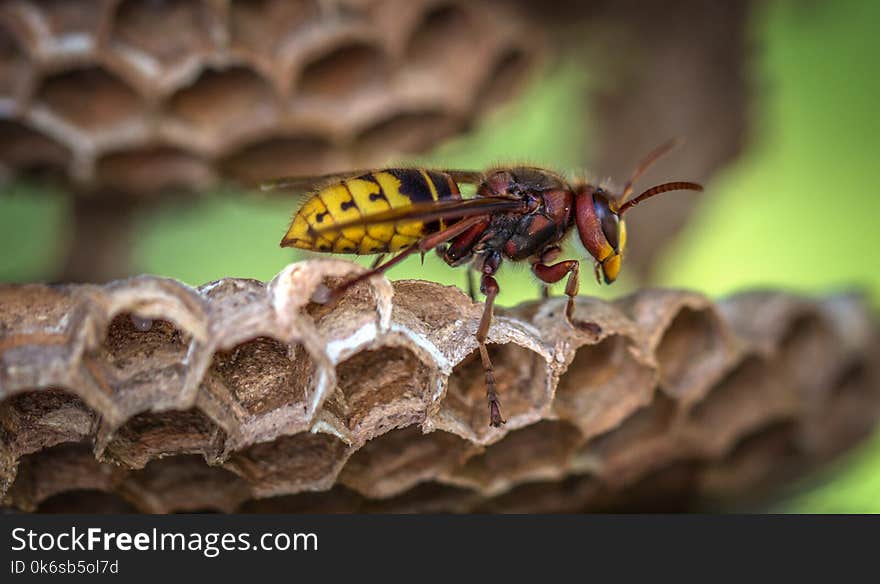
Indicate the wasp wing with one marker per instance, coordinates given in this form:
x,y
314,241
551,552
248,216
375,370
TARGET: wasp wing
x,y
305,184
424,212
466,177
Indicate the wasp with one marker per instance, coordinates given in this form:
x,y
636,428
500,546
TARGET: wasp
x,y
519,214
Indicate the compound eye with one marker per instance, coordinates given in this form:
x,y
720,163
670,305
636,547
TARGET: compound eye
x,y
608,220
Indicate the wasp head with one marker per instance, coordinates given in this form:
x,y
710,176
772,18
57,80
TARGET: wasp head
x,y
601,230
598,214
599,220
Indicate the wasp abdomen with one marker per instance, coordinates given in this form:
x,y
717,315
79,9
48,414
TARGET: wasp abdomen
x,y
365,195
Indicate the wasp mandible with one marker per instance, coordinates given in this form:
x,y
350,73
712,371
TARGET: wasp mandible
x,y
519,213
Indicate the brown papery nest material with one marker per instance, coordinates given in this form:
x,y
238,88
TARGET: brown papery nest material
x,y
148,395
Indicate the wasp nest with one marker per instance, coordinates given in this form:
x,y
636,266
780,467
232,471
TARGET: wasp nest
x,y
146,394
136,97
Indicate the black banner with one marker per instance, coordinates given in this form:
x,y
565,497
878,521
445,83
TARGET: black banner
x,y
462,548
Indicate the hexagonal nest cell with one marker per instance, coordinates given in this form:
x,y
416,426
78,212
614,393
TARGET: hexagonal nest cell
x,y
410,132
290,464
806,339
69,466
691,350
508,74
431,38
156,435
236,396
522,381
539,452
66,19
138,354
398,460
163,34
225,103
756,463
107,103
31,421
603,385
750,395
270,158
263,374
344,72
383,388
644,442
263,27
184,484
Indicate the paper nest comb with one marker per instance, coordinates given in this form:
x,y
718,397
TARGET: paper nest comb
x,y
147,394
136,97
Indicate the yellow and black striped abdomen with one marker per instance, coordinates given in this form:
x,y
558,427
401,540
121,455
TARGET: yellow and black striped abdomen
x,y
365,195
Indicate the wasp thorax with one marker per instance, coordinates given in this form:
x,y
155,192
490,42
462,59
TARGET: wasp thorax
x,y
499,183
520,182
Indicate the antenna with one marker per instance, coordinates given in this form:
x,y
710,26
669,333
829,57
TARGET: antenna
x,y
646,163
656,190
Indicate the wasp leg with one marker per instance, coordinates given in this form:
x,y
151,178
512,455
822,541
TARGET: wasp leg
x,y
426,244
548,255
489,287
597,273
554,273
379,259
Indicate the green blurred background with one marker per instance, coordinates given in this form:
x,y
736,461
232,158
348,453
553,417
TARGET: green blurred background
x,y
797,210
